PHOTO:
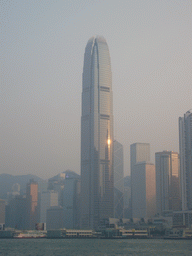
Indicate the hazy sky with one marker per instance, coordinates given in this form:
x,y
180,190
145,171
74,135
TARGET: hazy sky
x,y
43,43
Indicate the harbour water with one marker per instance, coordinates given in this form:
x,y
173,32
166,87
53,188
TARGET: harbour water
x,y
94,247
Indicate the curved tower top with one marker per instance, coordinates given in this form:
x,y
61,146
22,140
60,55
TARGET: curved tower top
x,y
97,48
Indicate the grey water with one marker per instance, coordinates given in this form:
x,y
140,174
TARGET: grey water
x,y
94,247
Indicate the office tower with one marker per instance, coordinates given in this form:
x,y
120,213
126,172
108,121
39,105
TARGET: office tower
x,y
67,185
15,191
96,135
167,182
118,180
70,200
42,186
127,197
56,184
2,211
54,218
32,200
143,190
16,213
47,199
185,150
139,152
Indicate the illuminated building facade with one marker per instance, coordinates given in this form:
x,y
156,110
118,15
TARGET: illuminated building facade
x,y
167,182
139,152
185,150
96,135
143,190
32,200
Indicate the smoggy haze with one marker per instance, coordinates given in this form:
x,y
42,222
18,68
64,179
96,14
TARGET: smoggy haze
x,y
43,44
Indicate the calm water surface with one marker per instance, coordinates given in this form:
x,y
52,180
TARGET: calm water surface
x,y
93,247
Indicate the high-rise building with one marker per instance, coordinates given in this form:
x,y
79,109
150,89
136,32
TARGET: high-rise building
x,y
96,135
47,199
16,213
2,211
127,197
67,185
32,202
185,150
139,152
118,180
143,190
54,218
167,182
70,198
15,191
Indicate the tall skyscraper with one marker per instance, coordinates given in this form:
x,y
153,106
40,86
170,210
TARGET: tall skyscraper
x,y
47,199
185,150
118,180
127,197
139,152
143,190
17,213
32,200
96,135
70,200
167,182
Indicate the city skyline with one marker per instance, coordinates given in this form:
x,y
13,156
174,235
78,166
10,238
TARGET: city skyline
x,y
42,52
96,134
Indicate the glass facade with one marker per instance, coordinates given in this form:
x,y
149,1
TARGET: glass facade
x,y
185,150
32,199
96,135
139,152
143,190
167,181
118,181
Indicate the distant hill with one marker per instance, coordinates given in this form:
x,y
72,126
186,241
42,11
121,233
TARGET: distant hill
x,y
7,181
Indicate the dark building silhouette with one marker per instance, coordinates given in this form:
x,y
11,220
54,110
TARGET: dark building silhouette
x,y
55,218
118,181
16,213
127,197
2,211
